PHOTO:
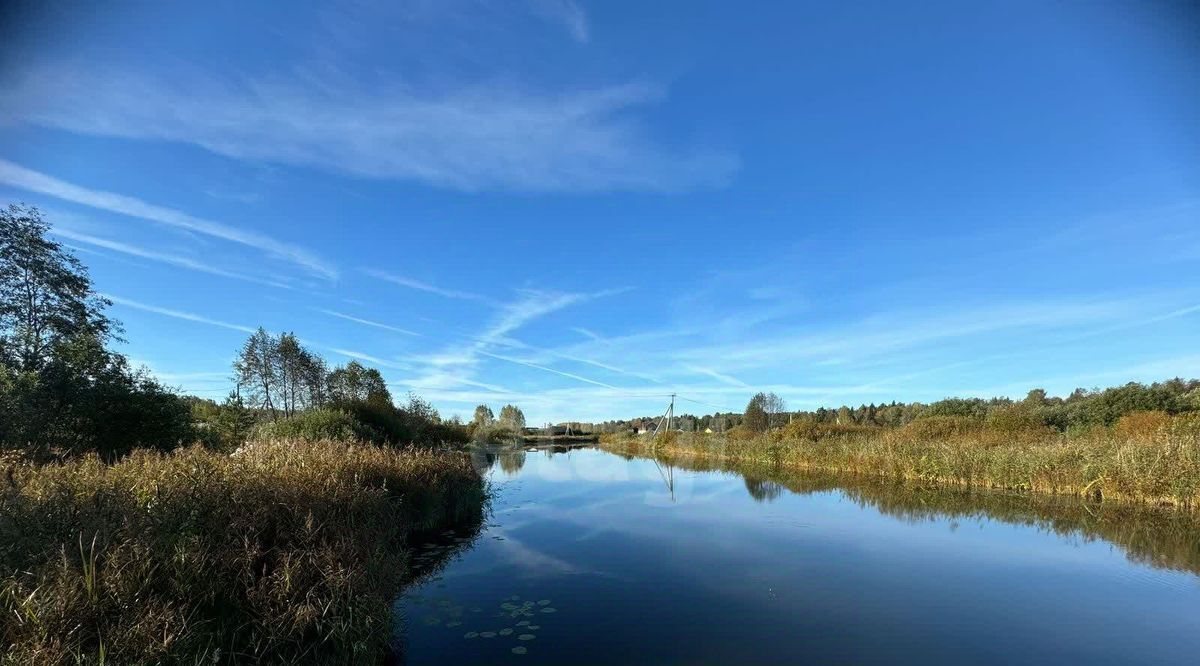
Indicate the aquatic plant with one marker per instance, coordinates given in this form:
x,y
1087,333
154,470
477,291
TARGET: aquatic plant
x,y
282,552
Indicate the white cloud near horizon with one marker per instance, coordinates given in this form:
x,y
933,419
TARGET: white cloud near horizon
x,y
477,137
15,175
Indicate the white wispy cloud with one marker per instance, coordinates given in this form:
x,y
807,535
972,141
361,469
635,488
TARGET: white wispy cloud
x,y
566,13
367,322
528,364
484,136
587,333
425,286
457,364
733,381
20,177
177,314
163,257
360,356
891,331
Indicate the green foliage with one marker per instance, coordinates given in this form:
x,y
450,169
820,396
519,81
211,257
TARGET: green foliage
x,y
512,418
61,391
963,407
84,398
283,553
317,424
756,418
483,418
357,383
46,296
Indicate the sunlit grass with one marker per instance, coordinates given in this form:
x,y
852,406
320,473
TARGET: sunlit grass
x,y
282,552
1145,457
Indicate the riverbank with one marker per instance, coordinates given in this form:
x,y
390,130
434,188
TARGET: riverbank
x,y
281,552
1159,466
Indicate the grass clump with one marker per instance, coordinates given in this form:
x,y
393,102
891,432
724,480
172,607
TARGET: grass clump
x,y
283,552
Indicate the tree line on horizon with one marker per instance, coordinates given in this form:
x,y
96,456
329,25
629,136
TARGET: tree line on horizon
x,y
1082,408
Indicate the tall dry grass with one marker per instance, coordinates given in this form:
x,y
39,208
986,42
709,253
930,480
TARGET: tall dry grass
x,y
1144,458
284,552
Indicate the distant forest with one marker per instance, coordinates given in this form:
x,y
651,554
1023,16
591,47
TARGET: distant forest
x,y
1083,408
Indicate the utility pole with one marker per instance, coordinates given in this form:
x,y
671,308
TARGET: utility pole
x,y
666,417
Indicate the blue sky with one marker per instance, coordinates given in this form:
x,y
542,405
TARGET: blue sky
x,y
580,207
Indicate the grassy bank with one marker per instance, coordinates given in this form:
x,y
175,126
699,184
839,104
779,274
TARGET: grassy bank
x,y
1144,457
283,552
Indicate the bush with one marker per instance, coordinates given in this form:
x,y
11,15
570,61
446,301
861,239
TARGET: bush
x,y
813,430
281,553
415,423
740,434
318,424
1141,426
932,428
87,399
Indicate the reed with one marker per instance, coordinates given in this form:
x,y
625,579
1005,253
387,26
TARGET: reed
x,y
282,552
1152,459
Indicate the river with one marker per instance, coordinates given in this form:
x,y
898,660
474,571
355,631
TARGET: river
x,y
595,558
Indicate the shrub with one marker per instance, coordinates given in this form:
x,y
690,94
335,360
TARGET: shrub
x,y
813,430
932,428
740,434
87,399
317,424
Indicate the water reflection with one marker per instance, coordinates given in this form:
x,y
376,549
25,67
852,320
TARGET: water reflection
x,y
1157,536
762,490
814,568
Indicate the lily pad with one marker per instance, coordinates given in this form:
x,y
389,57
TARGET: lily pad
x,y
453,623
520,649
526,637
534,627
471,634
549,609
487,634
543,602
505,631
523,623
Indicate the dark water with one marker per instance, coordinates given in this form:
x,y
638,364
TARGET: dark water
x,y
596,559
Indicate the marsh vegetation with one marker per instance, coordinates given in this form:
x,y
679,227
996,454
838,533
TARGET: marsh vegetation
x,y
1133,443
138,526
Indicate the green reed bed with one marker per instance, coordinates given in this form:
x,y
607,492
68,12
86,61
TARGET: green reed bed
x,y
1159,465
283,552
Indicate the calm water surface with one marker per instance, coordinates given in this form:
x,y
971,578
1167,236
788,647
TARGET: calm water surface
x,y
590,558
